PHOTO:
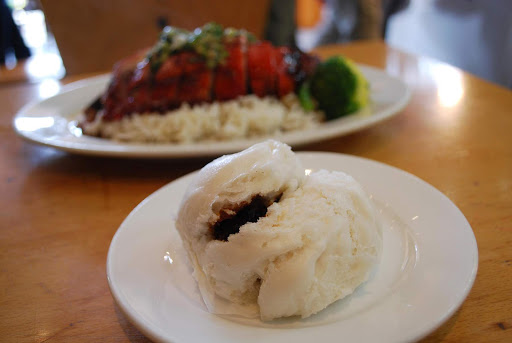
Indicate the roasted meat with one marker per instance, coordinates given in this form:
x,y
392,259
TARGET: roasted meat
x,y
185,77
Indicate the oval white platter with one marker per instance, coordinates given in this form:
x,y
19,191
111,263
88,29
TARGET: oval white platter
x,y
52,122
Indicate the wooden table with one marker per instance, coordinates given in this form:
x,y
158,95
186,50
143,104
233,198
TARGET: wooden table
x,y
58,212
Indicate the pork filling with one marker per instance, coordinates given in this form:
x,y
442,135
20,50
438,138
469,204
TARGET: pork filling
x,y
230,220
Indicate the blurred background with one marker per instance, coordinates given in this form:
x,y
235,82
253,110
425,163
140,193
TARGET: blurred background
x,y
46,40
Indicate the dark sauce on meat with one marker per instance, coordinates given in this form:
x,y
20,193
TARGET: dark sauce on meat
x,y
248,213
90,112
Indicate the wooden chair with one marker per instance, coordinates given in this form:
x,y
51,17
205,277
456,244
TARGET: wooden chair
x,y
92,35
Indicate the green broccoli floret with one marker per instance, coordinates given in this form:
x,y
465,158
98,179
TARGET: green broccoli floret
x,y
339,87
305,98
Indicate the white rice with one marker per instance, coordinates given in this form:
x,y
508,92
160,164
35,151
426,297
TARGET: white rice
x,y
247,116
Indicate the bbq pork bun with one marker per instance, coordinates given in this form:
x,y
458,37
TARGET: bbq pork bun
x,y
265,239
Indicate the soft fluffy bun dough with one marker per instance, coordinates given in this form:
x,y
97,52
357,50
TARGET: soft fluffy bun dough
x,y
317,240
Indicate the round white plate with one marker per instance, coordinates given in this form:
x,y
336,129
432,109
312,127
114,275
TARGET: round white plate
x,y
51,122
428,266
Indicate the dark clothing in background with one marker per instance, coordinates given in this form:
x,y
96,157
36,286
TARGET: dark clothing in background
x,y
281,26
10,37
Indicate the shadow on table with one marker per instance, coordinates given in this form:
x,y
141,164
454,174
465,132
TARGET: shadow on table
x,y
131,332
49,160
442,331
364,143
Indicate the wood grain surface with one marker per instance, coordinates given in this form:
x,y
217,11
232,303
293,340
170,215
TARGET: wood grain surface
x,y
58,212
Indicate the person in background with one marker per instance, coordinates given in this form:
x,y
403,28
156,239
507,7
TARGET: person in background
x,y
352,20
339,20
10,37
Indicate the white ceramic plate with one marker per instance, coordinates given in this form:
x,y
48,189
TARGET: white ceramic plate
x,y
51,122
428,266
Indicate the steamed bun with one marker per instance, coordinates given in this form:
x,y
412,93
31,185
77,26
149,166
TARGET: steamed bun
x,y
263,235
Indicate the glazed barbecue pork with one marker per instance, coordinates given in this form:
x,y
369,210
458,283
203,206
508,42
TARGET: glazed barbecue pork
x,y
249,67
